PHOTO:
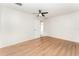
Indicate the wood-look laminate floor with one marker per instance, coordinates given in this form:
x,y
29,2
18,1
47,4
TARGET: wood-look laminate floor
x,y
43,46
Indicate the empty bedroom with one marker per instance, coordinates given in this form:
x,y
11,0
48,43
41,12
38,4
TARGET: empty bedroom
x,y
43,29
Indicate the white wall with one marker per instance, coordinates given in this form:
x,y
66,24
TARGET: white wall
x,y
0,19
64,26
17,26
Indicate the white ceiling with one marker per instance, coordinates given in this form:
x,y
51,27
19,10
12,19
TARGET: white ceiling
x,y
54,9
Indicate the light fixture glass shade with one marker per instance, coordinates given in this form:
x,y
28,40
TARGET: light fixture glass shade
x,y
40,15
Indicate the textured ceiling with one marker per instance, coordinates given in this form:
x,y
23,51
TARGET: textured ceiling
x,y
53,9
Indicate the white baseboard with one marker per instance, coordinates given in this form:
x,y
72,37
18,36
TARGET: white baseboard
x,y
19,40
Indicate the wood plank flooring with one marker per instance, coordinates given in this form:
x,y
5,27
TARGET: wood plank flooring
x,y
43,46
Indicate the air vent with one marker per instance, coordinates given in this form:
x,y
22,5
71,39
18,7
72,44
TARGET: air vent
x,y
19,4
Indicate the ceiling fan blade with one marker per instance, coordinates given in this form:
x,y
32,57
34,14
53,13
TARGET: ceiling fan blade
x,y
44,12
39,11
35,13
43,15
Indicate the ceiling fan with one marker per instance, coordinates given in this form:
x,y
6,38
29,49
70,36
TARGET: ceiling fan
x,y
40,13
